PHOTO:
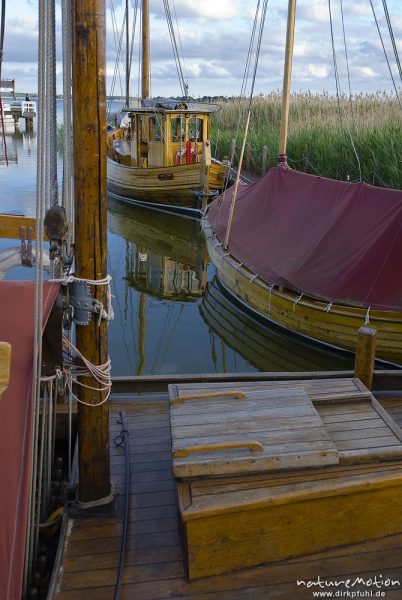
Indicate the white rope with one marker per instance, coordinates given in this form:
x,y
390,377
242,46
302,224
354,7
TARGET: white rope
x,y
328,307
99,502
367,319
101,373
297,302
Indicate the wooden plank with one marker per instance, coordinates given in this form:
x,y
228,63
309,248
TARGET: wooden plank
x,y
5,366
153,544
288,530
10,226
248,451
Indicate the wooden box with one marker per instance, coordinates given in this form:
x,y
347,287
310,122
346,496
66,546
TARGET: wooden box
x,y
268,474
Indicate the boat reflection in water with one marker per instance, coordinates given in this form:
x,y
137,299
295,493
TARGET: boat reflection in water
x,y
266,348
157,286
165,254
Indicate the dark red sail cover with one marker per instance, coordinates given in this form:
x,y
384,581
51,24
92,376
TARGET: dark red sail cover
x,y
17,328
330,239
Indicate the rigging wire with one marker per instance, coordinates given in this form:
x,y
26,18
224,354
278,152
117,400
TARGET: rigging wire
x,y
176,55
134,26
392,37
236,185
385,54
181,46
346,56
68,158
118,46
338,89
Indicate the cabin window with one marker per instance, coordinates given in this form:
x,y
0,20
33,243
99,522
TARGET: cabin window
x,y
178,130
195,129
155,129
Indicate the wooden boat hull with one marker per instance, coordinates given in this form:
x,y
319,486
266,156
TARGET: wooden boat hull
x,y
175,185
332,324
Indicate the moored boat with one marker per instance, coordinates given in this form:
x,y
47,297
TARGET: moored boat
x,y
317,256
161,153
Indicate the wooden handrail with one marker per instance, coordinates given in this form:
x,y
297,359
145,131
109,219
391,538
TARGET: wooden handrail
x,y
253,446
207,395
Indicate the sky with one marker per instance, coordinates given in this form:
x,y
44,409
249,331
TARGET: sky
x,y
214,37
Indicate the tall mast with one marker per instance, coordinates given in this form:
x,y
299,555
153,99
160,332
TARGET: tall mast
x,y
145,92
127,57
287,76
89,123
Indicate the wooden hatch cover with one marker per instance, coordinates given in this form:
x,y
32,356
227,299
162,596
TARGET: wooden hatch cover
x,y
221,430
233,432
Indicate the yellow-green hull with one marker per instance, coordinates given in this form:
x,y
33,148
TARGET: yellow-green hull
x,y
334,324
177,185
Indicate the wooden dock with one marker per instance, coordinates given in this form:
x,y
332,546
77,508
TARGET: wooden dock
x,y
154,568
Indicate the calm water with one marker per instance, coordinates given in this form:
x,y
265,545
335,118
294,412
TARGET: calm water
x,y
170,313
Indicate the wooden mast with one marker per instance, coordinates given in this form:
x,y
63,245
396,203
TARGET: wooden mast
x,y
89,122
287,76
145,88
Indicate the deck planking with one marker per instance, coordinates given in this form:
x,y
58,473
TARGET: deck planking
x,y
154,569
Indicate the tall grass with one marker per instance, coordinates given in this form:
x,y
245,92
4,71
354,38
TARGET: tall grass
x,y
325,137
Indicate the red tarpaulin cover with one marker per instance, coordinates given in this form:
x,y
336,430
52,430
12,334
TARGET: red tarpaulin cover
x,y
330,239
17,328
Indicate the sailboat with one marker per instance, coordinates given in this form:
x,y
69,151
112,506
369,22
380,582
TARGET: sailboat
x,y
161,153
316,256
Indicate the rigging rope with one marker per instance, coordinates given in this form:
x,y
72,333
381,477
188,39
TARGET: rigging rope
x,y
236,185
386,55
67,195
183,84
392,37
346,56
181,47
338,89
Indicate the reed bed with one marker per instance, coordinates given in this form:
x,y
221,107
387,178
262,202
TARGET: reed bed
x,y
351,140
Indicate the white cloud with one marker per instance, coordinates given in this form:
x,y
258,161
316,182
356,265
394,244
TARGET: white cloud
x,y
318,71
209,9
367,72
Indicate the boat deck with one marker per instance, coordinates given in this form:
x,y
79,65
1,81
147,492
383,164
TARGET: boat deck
x,y
153,565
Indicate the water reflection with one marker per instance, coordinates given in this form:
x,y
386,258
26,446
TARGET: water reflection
x,y
266,348
165,255
159,265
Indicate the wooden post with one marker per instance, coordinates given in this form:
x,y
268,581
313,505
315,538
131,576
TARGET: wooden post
x,y
89,122
287,76
264,159
365,355
145,89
